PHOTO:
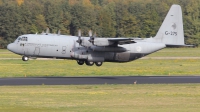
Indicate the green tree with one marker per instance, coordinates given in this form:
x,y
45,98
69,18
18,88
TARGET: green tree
x,y
40,22
109,18
83,18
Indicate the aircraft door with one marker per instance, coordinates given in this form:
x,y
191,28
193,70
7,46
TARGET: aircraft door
x,y
26,51
37,51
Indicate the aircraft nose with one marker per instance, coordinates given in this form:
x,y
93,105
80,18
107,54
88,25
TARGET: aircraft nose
x,y
10,47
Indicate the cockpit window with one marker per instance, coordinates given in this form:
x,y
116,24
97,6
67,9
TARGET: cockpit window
x,y
22,39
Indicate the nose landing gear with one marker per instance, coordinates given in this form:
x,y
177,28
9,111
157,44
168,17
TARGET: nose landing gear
x,y
25,58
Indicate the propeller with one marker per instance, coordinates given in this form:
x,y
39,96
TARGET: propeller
x,y
79,37
91,36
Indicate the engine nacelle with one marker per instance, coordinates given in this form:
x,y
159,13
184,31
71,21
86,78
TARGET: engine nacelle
x,y
86,43
102,42
77,55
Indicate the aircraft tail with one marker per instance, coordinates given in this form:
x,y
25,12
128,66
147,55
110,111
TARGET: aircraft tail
x,y
171,31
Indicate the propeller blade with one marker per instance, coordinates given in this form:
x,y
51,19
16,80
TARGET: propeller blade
x,y
58,32
47,31
79,37
79,33
90,33
95,34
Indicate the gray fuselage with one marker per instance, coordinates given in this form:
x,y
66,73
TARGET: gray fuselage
x,y
66,47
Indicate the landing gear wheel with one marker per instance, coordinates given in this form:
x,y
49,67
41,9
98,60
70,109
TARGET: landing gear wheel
x,y
25,58
80,62
98,63
89,63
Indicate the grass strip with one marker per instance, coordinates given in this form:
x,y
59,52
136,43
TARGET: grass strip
x,y
98,98
39,68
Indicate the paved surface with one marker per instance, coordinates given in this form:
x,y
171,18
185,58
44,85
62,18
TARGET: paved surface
x,y
100,80
169,58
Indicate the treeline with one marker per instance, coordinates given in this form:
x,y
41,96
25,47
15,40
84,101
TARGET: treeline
x,y
108,18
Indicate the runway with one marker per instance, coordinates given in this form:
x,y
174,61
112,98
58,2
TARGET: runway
x,y
99,80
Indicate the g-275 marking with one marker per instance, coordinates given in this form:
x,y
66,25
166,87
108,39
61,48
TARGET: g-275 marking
x,y
171,33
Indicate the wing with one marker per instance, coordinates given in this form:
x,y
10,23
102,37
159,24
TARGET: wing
x,y
112,41
122,41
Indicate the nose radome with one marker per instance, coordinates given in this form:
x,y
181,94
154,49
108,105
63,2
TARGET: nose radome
x,y
10,47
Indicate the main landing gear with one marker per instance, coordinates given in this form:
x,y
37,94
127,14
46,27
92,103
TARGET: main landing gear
x,y
98,63
25,58
80,62
89,63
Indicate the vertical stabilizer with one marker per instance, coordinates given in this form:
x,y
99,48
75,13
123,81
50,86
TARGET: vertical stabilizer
x,y
171,31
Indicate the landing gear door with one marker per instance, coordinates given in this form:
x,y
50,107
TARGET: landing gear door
x,y
122,57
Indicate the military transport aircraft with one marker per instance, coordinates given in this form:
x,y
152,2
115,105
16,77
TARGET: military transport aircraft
x,y
92,50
